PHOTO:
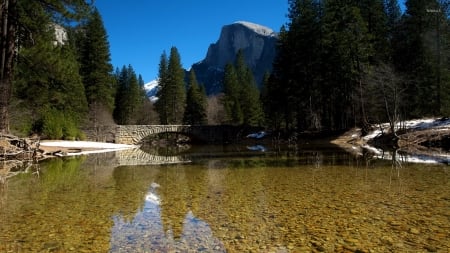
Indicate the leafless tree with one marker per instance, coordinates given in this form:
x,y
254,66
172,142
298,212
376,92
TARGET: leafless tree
x,y
386,91
215,111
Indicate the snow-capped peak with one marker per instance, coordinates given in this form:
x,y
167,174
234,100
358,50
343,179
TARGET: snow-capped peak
x,y
263,30
151,85
151,89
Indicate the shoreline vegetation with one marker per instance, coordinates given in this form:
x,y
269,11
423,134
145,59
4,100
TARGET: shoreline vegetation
x,y
424,140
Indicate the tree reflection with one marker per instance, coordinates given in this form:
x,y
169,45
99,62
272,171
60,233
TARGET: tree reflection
x,y
147,230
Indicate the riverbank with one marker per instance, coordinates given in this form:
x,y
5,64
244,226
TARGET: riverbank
x,y
18,155
422,140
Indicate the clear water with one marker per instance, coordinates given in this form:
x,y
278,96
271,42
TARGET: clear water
x,y
228,200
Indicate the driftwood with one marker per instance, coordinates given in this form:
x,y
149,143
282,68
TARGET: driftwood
x,y
18,155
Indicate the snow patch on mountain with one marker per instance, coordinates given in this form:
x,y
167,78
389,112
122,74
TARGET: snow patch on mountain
x,y
262,30
151,89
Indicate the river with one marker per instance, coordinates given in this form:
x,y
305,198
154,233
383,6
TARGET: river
x,y
228,199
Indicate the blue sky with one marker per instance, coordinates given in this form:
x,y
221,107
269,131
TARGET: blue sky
x,y
140,30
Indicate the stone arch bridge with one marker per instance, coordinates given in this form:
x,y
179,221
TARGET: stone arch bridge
x,y
134,134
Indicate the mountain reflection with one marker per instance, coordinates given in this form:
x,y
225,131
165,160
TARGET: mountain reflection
x,y
146,231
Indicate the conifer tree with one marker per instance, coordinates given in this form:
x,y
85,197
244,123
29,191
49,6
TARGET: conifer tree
x,y
161,105
415,56
277,109
346,46
231,100
172,90
21,22
251,105
195,113
242,98
376,25
129,97
96,67
301,67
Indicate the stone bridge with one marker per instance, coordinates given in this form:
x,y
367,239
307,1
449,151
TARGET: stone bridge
x,y
134,134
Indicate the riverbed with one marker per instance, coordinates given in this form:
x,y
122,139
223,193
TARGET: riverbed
x,y
228,199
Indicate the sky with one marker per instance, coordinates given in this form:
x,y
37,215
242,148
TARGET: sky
x,y
140,30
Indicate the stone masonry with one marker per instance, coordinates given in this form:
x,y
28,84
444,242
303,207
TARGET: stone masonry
x,y
133,134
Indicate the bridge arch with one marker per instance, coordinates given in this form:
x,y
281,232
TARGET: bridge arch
x,y
134,134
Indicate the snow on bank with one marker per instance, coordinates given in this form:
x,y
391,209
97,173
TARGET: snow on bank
x,y
437,124
93,147
418,124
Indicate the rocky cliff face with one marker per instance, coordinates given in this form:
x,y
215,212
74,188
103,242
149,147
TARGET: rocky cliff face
x,y
258,44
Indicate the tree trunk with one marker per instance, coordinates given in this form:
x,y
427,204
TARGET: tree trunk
x,y
8,46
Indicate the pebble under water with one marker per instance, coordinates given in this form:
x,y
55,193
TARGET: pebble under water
x,y
314,202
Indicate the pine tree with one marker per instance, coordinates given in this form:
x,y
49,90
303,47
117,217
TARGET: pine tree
x,y
376,22
231,100
301,66
120,111
346,53
415,58
242,99
172,90
49,82
129,97
96,68
393,15
251,105
276,98
195,113
33,18
177,87
161,105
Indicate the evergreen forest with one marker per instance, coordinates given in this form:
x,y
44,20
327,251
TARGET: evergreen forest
x,y
351,63
339,64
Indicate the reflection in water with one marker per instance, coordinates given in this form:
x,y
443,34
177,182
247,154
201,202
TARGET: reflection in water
x,y
257,148
146,232
243,201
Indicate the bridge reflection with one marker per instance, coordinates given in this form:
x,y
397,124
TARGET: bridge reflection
x,y
136,156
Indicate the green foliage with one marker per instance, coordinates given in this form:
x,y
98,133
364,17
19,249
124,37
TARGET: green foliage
x,y
231,100
242,98
345,63
172,92
161,105
95,61
129,97
195,112
47,78
57,125
53,124
417,54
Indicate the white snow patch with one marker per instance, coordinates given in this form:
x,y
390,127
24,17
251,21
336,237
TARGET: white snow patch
x,y
438,124
151,85
151,89
100,147
263,30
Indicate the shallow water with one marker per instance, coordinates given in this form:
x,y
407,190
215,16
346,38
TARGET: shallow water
x,y
228,200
